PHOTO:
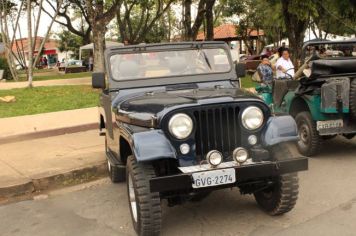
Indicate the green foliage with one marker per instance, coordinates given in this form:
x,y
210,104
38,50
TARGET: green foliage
x,y
47,99
69,42
5,66
336,17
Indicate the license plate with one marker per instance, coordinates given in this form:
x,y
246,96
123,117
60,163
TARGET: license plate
x,y
329,124
213,178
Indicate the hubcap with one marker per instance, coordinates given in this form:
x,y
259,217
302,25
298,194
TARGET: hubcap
x,y
109,166
132,199
304,133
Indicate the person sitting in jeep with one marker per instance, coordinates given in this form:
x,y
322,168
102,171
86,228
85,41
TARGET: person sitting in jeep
x,y
265,71
284,65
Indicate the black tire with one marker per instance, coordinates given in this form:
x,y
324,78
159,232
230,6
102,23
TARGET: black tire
x,y
116,174
282,196
146,218
310,140
353,99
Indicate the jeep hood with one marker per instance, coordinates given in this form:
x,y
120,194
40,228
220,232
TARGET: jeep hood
x,y
141,108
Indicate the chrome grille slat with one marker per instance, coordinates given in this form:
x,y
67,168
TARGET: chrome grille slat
x,y
222,133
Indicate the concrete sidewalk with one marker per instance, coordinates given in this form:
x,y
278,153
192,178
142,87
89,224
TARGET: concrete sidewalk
x,y
55,82
14,129
35,165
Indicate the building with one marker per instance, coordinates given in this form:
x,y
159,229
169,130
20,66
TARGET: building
x,y
228,33
50,49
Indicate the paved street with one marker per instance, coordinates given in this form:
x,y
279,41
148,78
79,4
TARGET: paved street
x,y
327,206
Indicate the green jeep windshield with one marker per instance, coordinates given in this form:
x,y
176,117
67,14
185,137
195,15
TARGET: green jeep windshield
x,y
169,63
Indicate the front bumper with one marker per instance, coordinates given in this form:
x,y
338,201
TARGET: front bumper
x,y
183,182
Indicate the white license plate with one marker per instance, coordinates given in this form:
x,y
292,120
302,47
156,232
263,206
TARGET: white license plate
x,y
329,124
213,178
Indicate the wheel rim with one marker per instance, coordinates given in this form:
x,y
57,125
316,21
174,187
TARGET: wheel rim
x,y
109,166
132,199
304,134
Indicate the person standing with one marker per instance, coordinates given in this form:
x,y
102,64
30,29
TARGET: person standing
x,y
91,63
45,62
284,65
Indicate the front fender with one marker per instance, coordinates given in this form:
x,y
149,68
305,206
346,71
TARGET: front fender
x,y
279,129
152,145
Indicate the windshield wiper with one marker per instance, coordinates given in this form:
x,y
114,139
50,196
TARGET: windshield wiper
x,y
206,59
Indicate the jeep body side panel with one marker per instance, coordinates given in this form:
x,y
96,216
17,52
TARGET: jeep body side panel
x,y
152,145
279,129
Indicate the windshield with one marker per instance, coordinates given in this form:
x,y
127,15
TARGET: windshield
x,y
169,63
332,50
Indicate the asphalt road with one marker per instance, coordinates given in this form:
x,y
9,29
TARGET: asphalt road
x,y
326,206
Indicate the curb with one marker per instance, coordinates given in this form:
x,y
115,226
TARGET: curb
x,y
47,133
73,177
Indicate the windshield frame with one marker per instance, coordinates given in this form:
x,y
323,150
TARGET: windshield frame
x,y
167,80
320,43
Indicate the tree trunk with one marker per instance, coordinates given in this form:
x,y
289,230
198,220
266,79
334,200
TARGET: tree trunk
x,y
187,21
29,44
209,19
296,28
99,47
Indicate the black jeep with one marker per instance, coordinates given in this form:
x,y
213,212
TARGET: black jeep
x,y
177,126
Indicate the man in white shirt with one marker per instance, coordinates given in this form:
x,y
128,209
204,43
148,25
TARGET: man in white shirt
x,y
284,66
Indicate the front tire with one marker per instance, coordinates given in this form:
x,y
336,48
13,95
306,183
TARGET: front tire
x,y
282,196
145,207
310,140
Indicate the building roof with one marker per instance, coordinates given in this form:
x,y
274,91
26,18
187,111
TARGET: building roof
x,y
228,32
23,44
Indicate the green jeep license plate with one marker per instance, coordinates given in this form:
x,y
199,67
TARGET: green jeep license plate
x,y
329,124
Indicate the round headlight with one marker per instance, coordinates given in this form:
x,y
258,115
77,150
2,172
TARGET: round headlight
x,y
240,155
252,118
180,126
214,158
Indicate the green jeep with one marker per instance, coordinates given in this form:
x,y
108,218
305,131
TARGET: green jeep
x,y
321,96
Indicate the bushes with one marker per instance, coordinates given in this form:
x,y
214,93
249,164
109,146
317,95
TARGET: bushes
x,y
5,66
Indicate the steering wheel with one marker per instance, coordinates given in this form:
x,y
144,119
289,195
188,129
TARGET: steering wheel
x,y
288,76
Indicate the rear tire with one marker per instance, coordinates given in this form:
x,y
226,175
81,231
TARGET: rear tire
x,y
353,99
282,196
145,207
310,140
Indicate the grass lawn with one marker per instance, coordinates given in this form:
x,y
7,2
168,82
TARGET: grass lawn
x,y
47,99
53,74
247,82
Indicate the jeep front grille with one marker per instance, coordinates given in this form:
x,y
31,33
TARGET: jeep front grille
x,y
217,128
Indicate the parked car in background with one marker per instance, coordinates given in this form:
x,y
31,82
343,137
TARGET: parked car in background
x,y
252,62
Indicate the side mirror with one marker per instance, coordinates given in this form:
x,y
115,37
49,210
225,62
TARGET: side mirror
x,y
98,80
240,69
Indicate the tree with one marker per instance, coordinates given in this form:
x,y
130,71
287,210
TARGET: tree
x,y
142,21
252,17
69,42
70,12
99,18
29,43
7,11
334,17
296,15
204,12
